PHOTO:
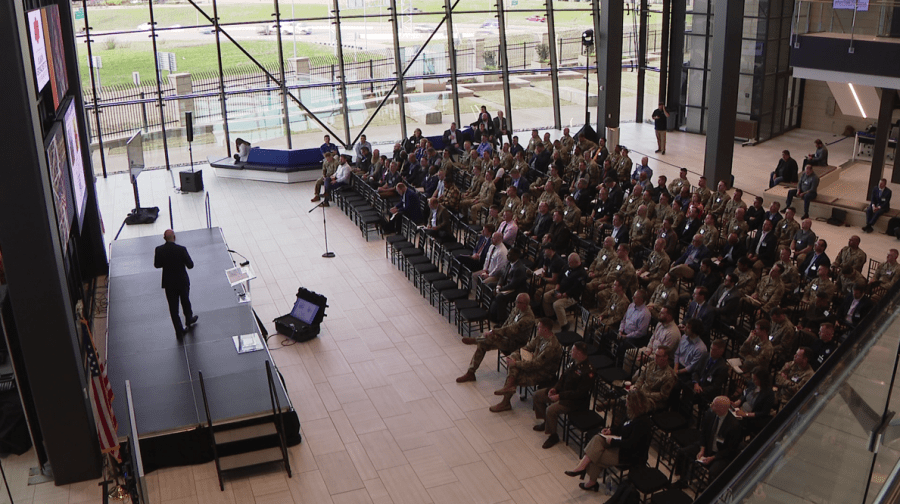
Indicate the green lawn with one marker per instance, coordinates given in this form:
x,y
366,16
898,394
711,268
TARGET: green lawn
x,y
120,61
128,18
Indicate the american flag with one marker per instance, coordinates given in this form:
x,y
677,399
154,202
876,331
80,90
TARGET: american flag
x,y
101,396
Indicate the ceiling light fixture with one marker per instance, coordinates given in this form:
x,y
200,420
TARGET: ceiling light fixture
x,y
858,103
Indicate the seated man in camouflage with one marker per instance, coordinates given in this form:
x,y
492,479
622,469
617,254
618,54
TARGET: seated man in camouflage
x,y
885,275
534,364
656,379
508,338
793,375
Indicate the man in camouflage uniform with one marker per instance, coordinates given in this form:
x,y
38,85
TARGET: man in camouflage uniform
x,y
735,202
450,197
571,393
757,349
786,229
665,295
676,184
738,224
656,379
641,229
709,232
885,275
703,191
790,277
329,167
783,336
822,283
793,375
656,266
769,291
508,338
540,368
620,268
851,255
614,311
718,201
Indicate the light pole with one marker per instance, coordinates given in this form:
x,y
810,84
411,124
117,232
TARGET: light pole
x,y
294,28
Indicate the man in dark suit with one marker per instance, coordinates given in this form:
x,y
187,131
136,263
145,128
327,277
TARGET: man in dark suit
x,y
786,171
452,139
687,265
698,308
175,261
517,181
726,301
619,232
501,127
763,247
408,206
815,260
710,374
437,223
541,161
855,307
689,227
734,249
475,260
513,281
720,438
880,203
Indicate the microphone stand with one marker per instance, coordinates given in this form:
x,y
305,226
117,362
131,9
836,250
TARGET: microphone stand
x,y
325,227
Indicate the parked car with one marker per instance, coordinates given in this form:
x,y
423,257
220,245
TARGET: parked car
x,y
537,18
290,29
489,27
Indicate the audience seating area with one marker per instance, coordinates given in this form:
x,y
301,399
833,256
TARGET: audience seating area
x,y
434,267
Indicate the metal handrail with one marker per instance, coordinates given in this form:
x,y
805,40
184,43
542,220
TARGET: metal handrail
x,y
276,410
212,436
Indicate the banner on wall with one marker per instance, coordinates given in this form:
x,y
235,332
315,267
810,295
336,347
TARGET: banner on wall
x,y
38,49
859,5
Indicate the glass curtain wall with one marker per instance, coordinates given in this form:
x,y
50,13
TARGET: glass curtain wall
x,y
767,94
284,73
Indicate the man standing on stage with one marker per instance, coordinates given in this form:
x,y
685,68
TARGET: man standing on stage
x,y
173,259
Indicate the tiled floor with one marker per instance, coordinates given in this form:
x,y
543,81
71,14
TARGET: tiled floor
x,y
383,419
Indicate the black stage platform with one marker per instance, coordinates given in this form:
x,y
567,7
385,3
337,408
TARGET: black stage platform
x,y
142,347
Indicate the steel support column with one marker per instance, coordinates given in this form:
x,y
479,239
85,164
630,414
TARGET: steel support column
x,y
642,61
215,5
340,55
159,100
268,74
283,83
676,59
609,63
554,65
451,53
882,134
595,13
504,64
664,50
398,69
725,63
89,42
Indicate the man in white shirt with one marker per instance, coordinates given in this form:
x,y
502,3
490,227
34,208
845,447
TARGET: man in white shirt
x,y
494,261
508,228
340,178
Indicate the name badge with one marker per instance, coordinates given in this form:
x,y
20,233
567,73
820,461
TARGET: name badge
x,y
718,200
815,287
799,242
605,256
771,338
889,273
665,295
664,235
814,267
618,267
756,348
709,378
702,231
795,379
827,313
638,224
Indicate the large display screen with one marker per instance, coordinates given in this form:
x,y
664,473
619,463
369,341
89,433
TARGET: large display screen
x,y
73,140
59,182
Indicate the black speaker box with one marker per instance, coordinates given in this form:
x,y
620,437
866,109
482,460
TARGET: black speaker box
x,y
192,181
588,132
189,125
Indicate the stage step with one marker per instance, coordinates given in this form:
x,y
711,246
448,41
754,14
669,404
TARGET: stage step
x,y
239,460
245,433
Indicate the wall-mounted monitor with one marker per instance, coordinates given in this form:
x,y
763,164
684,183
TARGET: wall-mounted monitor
x,y
73,141
58,165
